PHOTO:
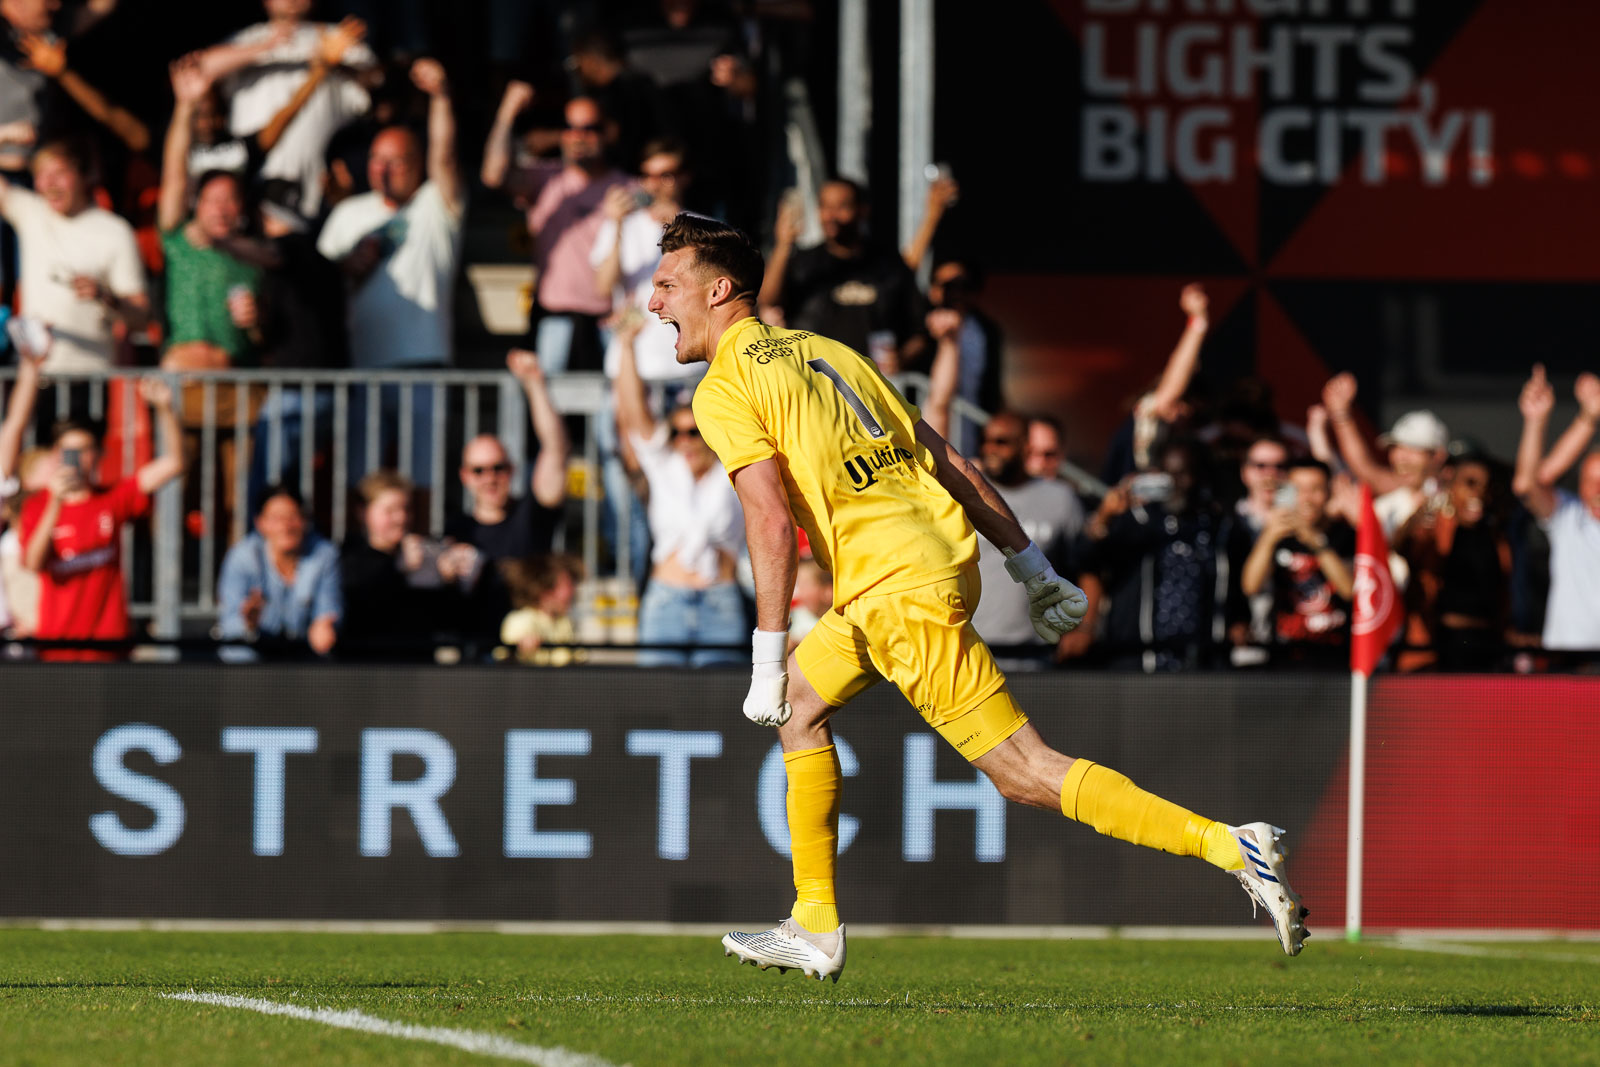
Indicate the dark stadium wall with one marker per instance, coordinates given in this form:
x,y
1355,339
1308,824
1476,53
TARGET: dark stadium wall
x,y
481,794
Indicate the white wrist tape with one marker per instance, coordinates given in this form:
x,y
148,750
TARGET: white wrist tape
x,y
767,646
1029,563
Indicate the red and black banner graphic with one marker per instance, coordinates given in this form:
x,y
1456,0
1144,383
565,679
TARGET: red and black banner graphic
x,y
1362,184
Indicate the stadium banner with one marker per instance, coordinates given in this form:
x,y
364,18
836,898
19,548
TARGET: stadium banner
x,y
1482,809
506,794
481,794
1363,185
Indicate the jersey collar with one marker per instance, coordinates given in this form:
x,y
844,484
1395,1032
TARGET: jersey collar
x,y
730,337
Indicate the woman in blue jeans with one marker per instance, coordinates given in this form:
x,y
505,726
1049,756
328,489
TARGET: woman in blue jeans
x,y
696,531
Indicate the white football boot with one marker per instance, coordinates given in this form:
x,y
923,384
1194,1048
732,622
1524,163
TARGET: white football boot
x,y
789,945
1265,879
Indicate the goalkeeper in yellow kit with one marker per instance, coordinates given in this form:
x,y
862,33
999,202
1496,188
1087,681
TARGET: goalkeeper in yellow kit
x,y
811,434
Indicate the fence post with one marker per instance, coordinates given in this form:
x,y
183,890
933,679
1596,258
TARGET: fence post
x,y
167,535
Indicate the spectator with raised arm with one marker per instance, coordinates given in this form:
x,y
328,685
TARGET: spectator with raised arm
x,y
200,111
80,264
213,281
398,247
696,529
504,521
1156,412
47,54
262,68
626,251
1417,446
564,214
942,193
1458,602
71,531
847,288
963,341
1572,522
279,588
27,97
1301,561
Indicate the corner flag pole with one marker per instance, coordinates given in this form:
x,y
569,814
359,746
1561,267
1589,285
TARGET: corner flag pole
x,y
1358,805
1375,617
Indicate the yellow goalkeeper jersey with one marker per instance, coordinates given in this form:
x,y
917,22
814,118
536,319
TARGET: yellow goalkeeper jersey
x,y
859,483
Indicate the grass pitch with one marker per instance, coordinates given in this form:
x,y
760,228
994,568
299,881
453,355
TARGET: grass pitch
x,y
83,997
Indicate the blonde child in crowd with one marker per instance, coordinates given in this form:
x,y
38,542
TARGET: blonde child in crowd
x,y
542,590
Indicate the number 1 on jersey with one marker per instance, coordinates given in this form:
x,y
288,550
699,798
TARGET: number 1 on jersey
x,y
868,423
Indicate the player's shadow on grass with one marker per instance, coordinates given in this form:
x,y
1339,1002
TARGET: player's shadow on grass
x,y
1506,1011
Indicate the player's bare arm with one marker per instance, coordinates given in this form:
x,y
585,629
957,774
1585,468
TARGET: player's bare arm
x,y
990,514
774,560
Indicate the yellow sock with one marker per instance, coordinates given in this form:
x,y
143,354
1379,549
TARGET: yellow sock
x,y
813,804
1113,805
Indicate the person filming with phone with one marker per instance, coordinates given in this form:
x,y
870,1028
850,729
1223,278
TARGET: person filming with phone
x,y
1157,548
72,530
1303,558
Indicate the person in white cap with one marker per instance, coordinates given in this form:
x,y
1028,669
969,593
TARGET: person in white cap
x,y
1418,445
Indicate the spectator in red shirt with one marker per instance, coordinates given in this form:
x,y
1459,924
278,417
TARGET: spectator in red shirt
x,y
71,529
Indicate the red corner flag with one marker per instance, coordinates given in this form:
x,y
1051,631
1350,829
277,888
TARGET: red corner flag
x,y
1377,604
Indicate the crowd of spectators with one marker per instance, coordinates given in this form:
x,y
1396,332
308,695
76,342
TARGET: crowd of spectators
x,y
309,210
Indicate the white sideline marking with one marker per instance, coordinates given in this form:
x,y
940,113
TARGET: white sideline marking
x,y
1418,945
1017,932
466,1040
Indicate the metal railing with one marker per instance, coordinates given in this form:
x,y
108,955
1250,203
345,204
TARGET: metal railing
x,y
321,431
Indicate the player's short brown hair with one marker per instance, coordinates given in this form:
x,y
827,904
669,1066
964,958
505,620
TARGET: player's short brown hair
x,y
722,250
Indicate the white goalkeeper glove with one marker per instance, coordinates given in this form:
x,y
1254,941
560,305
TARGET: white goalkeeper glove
x,y
767,703
1055,605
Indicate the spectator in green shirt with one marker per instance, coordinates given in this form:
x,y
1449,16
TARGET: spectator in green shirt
x,y
213,318
214,270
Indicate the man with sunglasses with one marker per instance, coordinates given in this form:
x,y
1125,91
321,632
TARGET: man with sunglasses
x,y
563,205
502,525
1050,512
1262,471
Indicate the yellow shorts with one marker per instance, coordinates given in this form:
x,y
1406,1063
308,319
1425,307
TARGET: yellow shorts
x,y
922,640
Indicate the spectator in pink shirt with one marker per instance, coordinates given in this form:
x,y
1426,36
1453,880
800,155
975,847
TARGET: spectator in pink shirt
x,y
563,205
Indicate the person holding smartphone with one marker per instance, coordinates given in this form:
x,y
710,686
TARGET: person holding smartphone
x,y
71,530
1303,558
